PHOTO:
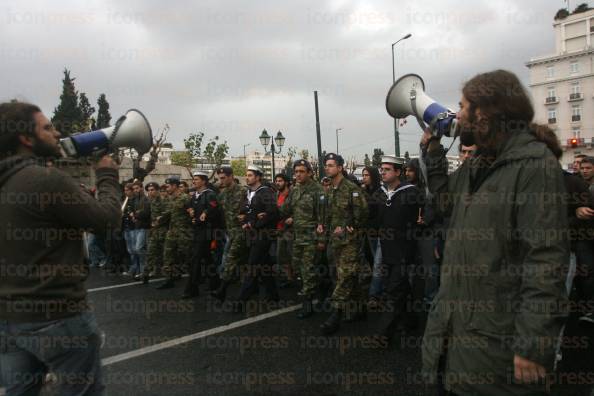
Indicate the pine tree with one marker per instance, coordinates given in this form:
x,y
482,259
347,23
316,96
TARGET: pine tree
x,y
377,157
103,116
87,112
367,161
68,115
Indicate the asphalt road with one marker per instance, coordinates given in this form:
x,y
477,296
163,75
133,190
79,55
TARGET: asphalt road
x,y
157,344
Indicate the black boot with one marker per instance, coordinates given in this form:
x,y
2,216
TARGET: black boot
x,y
145,279
167,284
332,324
221,292
356,313
306,309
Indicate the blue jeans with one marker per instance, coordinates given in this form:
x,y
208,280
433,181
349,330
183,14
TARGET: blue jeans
x,y
67,348
136,241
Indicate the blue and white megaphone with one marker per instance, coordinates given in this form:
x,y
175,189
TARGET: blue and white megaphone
x,y
407,97
132,130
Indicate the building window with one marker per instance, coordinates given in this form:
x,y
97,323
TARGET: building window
x,y
576,113
575,88
576,133
550,71
552,116
574,67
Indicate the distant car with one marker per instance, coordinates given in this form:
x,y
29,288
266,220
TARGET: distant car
x,y
358,172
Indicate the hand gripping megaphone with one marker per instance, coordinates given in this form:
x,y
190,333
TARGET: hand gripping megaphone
x,y
132,130
407,97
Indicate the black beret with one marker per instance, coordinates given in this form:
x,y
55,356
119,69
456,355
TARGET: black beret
x,y
173,180
153,185
302,162
331,156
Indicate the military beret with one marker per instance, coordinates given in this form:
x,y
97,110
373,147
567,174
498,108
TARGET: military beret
x,y
173,180
153,185
302,162
226,170
331,156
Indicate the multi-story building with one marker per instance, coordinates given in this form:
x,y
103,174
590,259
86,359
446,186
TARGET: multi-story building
x,y
264,161
562,85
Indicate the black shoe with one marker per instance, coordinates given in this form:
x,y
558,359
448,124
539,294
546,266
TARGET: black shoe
x,y
356,315
188,295
332,324
306,309
221,292
168,284
145,279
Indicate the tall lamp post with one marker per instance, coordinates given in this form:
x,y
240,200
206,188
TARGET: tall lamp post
x,y
337,130
279,139
244,157
396,134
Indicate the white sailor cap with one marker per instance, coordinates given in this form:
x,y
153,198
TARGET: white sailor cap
x,y
200,173
392,159
256,169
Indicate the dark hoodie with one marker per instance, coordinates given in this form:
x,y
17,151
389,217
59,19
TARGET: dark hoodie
x,y
43,213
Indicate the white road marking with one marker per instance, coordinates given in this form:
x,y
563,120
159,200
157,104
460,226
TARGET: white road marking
x,y
137,283
196,336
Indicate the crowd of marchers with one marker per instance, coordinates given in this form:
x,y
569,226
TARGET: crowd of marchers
x,y
497,256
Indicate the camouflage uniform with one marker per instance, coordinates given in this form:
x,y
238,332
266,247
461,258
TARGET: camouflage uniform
x,y
230,200
347,207
179,237
304,205
157,235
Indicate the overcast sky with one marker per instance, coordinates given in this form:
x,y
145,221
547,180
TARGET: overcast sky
x,y
232,68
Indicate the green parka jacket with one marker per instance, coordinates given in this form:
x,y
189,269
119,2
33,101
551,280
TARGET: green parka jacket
x,y
503,276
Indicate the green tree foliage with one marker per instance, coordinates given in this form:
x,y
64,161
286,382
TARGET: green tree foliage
x,y
581,8
215,152
377,157
87,112
367,160
238,166
103,116
68,116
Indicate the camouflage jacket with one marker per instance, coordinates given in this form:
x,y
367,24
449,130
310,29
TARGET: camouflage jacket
x,y
230,200
177,211
347,207
158,209
305,204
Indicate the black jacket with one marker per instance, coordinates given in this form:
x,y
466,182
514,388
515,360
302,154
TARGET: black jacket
x,y
263,200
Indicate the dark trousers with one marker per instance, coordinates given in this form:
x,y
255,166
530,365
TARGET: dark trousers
x,y
396,289
201,262
584,279
259,266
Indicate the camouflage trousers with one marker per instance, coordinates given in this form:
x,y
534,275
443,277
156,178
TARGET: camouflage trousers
x,y
177,251
156,243
353,276
236,251
304,260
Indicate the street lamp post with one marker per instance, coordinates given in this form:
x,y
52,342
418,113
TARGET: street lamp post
x,y
338,129
396,133
244,156
279,139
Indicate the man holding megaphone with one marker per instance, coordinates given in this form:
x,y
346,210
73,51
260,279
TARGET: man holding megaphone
x,y
45,322
495,323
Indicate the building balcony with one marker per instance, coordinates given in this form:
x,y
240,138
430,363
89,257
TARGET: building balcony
x,y
575,96
576,118
551,100
552,120
576,142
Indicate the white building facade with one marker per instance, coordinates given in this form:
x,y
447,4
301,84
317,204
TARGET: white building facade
x,y
562,86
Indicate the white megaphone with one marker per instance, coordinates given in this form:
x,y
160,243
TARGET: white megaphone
x,y
407,97
132,130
